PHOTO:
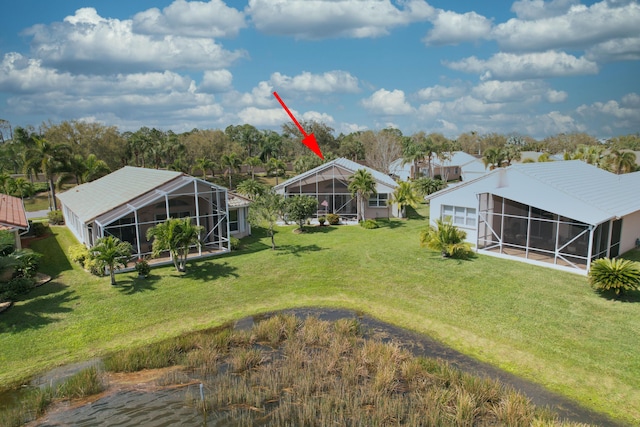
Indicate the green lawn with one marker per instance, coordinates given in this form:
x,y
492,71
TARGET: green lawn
x,y
541,324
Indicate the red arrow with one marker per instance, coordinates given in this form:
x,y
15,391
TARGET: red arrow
x,y
309,139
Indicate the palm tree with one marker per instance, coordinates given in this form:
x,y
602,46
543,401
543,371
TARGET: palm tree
x,y
617,274
362,185
111,253
426,186
204,164
620,162
52,159
252,162
251,188
493,157
405,195
231,162
446,238
276,167
175,235
94,168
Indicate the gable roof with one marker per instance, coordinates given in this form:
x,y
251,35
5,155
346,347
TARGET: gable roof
x,y
343,163
573,189
12,213
457,158
94,198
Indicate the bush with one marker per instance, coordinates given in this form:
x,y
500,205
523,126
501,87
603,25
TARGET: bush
x,y
446,238
15,287
322,220
38,229
55,217
142,267
94,267
27,262
79,253
618,275
369,224
234,243
333,219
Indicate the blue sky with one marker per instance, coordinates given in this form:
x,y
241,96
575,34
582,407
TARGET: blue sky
x,y
530,67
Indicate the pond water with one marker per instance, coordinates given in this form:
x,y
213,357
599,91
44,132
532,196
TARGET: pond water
x,y
132,403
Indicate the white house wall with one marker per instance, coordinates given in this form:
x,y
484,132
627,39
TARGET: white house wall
x,y
465,197
630,232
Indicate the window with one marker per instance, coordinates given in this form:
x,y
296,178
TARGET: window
x,y
461,216
233,220
378,200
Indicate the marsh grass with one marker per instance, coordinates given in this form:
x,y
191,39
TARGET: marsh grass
x,y
86,382
326,373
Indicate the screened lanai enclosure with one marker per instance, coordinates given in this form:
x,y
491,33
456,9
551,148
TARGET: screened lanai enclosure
x,y
328,183
128,202
516,229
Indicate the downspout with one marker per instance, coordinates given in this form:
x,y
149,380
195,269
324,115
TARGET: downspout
x,y
590,247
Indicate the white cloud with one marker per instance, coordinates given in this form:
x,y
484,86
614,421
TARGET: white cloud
x,y
263,116
319,19
431,109
260,96
625,49
454,28
509,66
331,81
191,19
88,43
440,92
556,96
631,100
347,128
580,27
388,103
539,9
317,117
216,81
554,123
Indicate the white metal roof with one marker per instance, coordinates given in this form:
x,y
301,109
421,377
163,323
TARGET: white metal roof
x,y
102,195
347,164
573,189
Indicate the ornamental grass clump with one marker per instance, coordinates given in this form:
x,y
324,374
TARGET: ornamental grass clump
x,y
617,275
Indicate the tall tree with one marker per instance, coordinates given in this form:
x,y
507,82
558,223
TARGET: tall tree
x,y
265,211
253,162
493,157
52,158
204,164
94,168
247,136
231,162
251,188
276,167
382,148
111,253
175,235
362,185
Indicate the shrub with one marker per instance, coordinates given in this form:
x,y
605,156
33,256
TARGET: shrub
x,y
27,262
15,287
369,224
78,253
38,229
322,220
234,242
447,239
333,219
618,275
94,267
142,267
55,217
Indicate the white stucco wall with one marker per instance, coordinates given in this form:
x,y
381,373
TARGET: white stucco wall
x,y
630,232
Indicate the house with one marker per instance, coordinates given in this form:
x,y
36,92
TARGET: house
x,y
239,215
329,184
457,166
559,214
129,201
13,217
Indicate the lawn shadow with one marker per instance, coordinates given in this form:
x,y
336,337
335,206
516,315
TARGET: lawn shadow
x,y
134,285
37,308
413,214
314,229
297,250
54,259
627,296
392,223
252,243
207,270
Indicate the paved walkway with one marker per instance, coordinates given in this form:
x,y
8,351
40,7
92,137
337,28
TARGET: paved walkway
x,y
37,214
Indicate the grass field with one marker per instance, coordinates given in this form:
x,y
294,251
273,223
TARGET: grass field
x,y
538,323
